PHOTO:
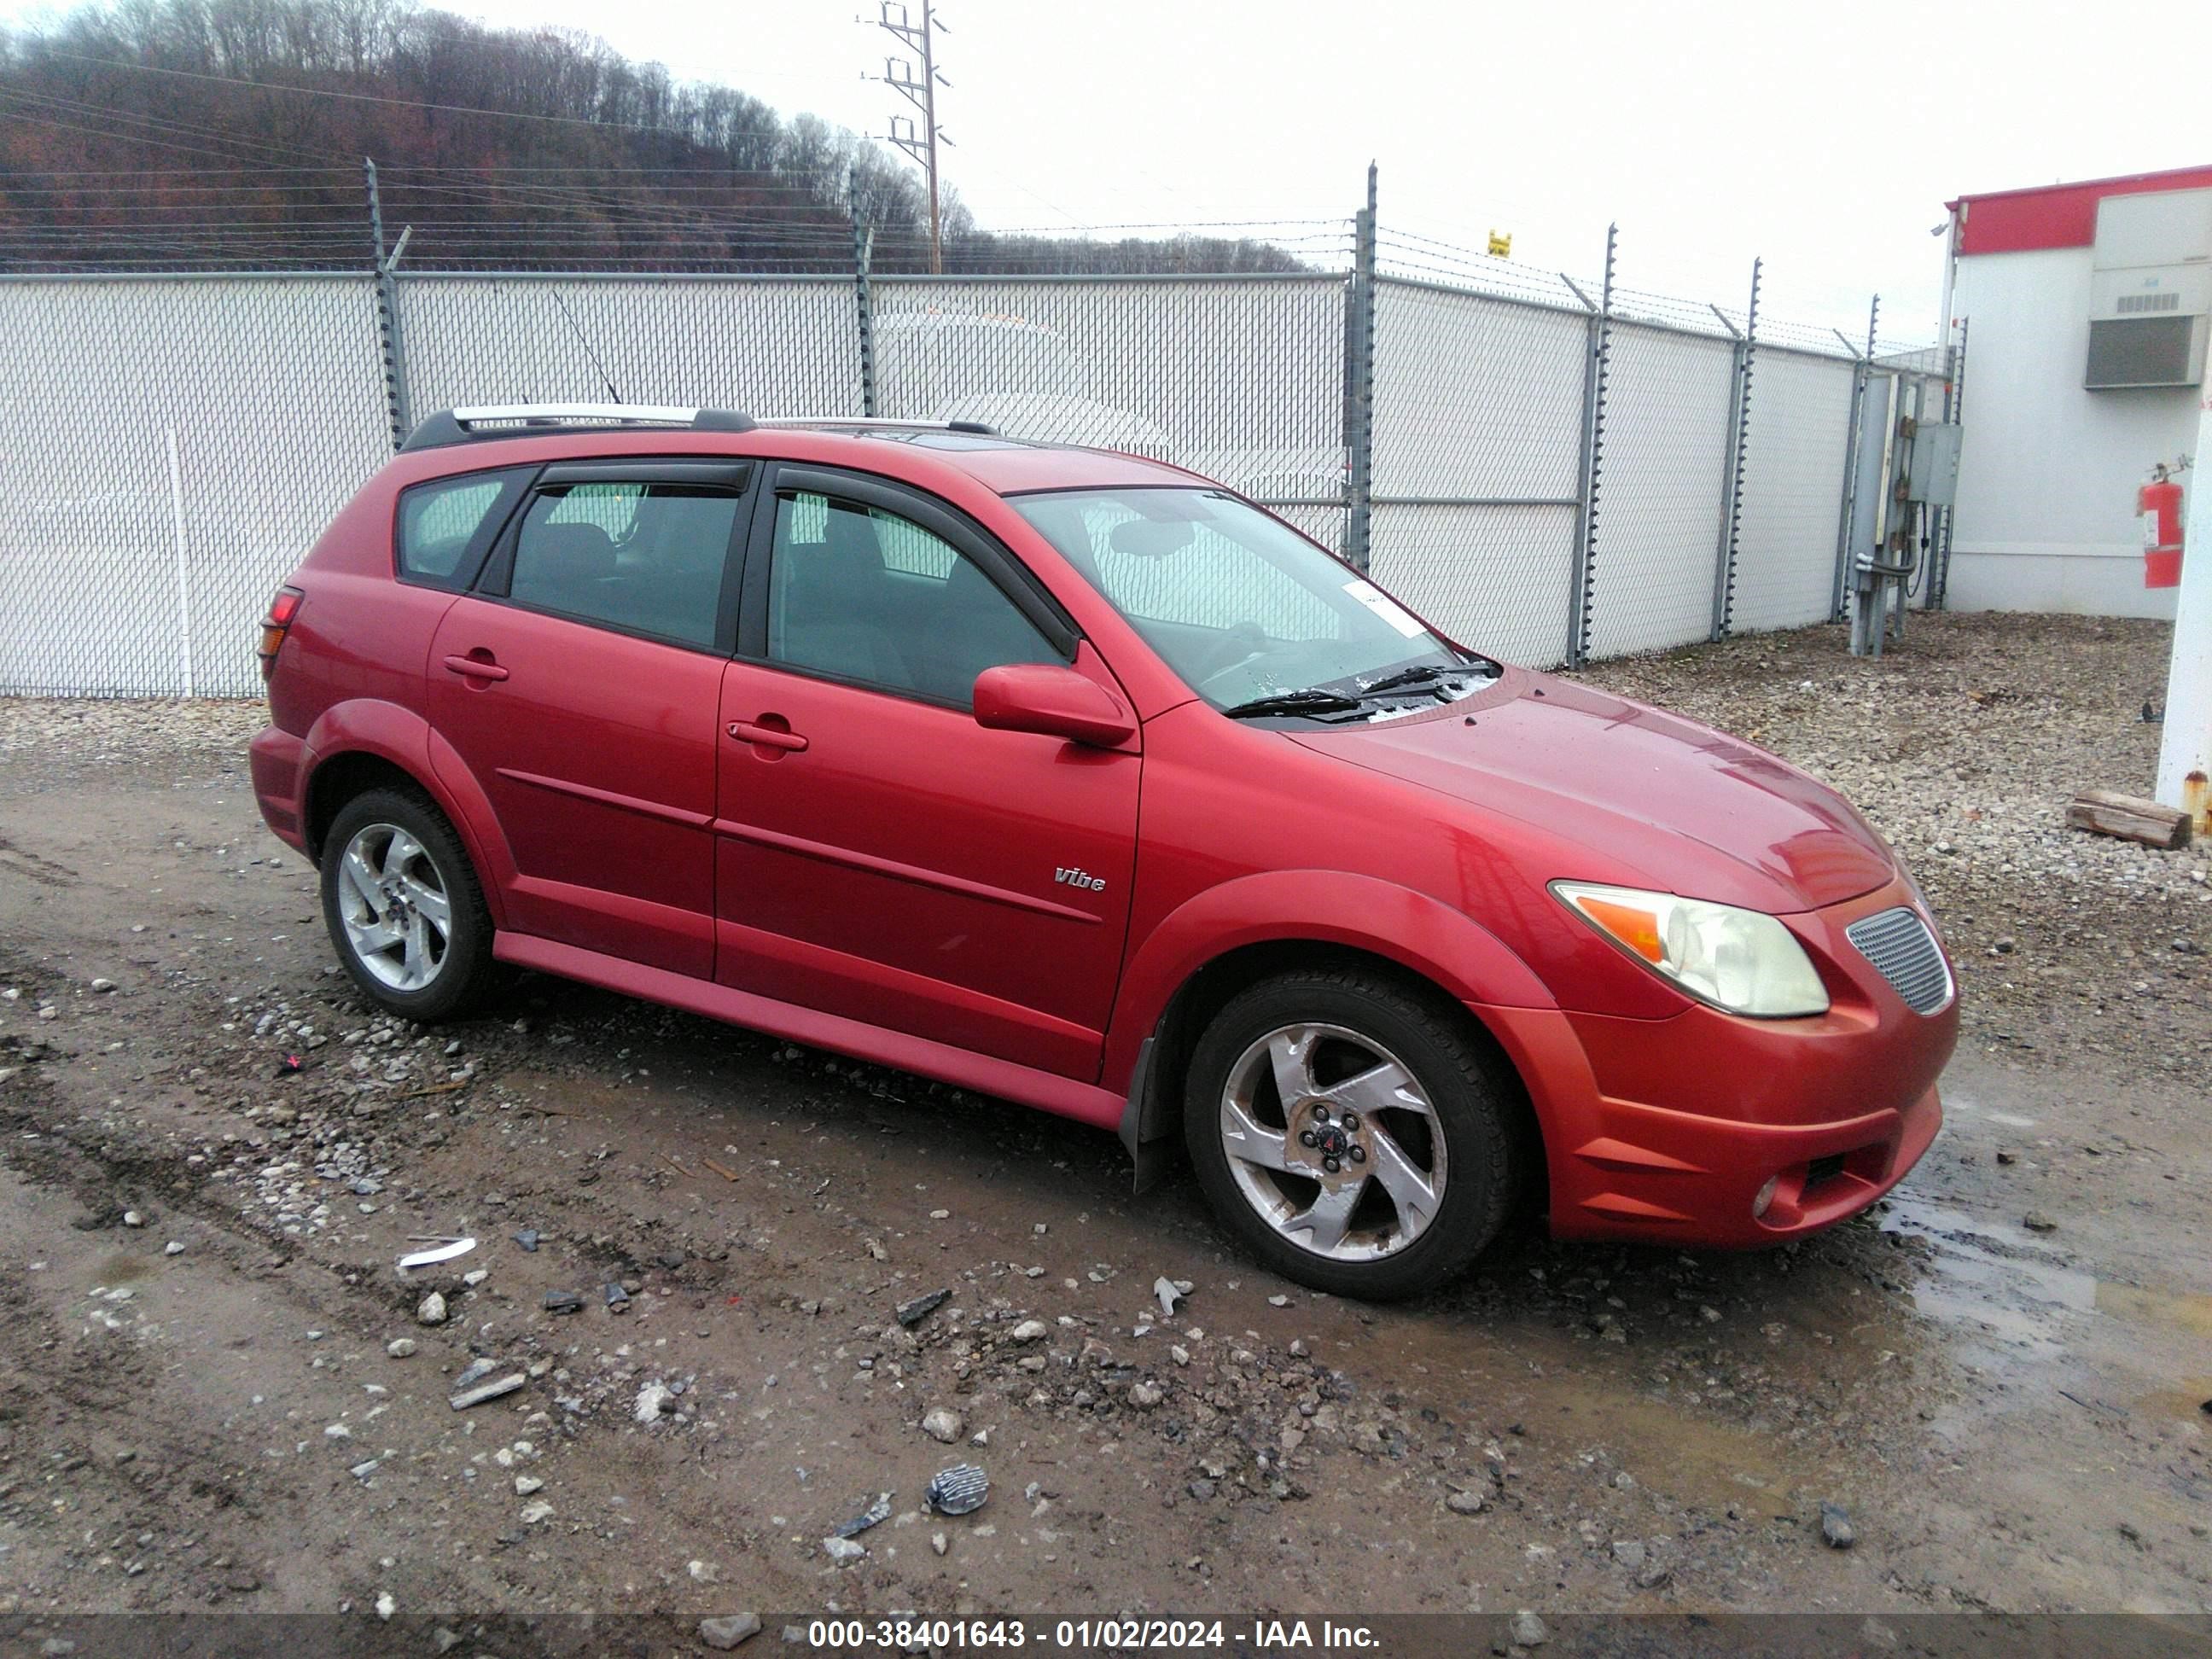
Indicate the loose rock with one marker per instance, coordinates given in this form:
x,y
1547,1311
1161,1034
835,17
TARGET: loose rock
x,y
725,1633
942,1423
911,1314
1836,1530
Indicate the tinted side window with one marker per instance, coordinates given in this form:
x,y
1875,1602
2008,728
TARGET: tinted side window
x,y
645,557
442,523
863,594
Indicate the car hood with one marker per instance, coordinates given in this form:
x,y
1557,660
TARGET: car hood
x,y
1630,794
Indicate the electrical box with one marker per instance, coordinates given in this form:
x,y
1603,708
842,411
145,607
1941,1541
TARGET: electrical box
x,y
1932,472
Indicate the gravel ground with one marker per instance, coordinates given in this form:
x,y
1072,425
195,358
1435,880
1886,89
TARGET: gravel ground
x,y
216,1392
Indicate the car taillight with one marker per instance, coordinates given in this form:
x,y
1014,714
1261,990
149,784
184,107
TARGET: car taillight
x,y
276,624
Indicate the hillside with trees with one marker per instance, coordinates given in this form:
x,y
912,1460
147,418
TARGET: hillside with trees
x,y
230,134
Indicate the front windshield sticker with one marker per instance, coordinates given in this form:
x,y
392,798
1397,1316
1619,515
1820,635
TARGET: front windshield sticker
x,y
1385,607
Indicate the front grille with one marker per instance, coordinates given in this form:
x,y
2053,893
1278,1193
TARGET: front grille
x,y
1903,953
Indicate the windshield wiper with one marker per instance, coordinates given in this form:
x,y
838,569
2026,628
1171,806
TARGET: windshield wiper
x,y
1421,673
1313,701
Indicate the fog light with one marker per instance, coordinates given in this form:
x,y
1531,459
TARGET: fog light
x,y
1766,1197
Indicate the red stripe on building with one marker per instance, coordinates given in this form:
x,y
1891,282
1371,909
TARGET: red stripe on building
x,y
2055,216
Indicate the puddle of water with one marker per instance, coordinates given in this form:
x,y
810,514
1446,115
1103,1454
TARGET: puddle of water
x,y
1957,1104
1987,1273
2188,1402
1571,1410
2133,1303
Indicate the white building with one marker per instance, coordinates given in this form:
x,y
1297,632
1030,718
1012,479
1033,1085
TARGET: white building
x,y
2084,309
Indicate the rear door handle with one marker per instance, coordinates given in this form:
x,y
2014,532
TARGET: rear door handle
x,y
476,668
768,737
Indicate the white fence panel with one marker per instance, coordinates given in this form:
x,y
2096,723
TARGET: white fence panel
x,y
1793,481
271,390
1241,378
1478,448
763,345
1661,486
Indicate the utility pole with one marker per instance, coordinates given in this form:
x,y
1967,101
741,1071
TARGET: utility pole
x,y
899,76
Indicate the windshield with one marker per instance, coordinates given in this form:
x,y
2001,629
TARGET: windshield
x,y
1243,608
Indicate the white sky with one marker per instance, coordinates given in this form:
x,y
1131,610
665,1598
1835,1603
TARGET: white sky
x,y
1824,136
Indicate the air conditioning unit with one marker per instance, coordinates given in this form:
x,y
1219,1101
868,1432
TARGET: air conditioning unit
x,y
2150,291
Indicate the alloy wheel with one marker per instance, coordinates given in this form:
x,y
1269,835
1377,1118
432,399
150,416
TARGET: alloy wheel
x,y
1332,1141
392,903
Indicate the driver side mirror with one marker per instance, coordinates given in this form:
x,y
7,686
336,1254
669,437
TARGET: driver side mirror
x,y
1053,702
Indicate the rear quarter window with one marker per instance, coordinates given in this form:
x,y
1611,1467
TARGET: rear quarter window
x,y
447,525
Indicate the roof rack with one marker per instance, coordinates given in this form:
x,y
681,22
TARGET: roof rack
x,y
459,426
975,428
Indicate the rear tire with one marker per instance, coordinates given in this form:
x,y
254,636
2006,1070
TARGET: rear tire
x,y
1351,1131
405,909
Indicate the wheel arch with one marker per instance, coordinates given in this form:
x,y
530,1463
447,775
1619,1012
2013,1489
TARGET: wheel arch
x,y
1235,935
366,744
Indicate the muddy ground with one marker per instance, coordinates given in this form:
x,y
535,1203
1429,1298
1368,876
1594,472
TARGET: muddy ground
x,y
215,1391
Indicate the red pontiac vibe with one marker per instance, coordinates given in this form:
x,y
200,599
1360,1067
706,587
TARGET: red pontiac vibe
x,y
1076,779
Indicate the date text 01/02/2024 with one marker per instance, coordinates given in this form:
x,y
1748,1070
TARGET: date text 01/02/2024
x,y
1271,1636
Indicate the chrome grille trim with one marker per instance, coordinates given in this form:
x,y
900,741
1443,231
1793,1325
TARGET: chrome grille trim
x,y
1903,950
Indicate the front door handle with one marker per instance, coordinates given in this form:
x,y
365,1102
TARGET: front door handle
x,y
768,737
476,667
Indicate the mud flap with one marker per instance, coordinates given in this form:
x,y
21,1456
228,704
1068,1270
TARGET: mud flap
x,y
1148,1127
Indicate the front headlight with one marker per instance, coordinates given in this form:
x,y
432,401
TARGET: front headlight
x,y
1740,960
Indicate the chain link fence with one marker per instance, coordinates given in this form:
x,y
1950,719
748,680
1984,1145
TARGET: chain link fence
x,y
1663,490
169,447
1549,469
1240,378
1478,449
1793,485
774,346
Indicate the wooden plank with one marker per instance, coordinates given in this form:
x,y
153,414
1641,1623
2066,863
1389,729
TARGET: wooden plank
x,y
2129,817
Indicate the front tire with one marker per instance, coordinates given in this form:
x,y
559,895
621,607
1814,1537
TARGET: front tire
x,y
404,907
1351,1131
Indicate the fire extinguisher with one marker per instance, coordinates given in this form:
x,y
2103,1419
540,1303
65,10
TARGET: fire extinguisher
x,y
2159,504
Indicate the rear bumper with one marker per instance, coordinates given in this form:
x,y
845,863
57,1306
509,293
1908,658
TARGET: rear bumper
x,y
279,762
1666,1131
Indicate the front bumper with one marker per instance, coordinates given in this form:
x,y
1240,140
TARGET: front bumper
x,y
1667,1130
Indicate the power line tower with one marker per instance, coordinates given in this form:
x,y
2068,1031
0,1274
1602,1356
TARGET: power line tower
x,y
920,91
